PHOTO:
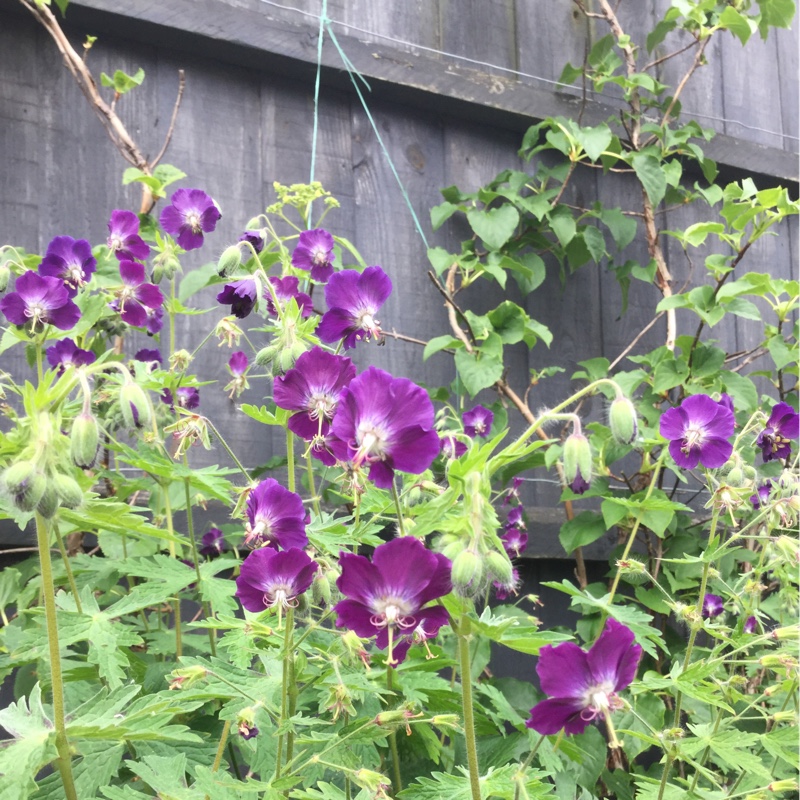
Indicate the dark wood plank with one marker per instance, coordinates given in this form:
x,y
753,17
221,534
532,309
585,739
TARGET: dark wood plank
x,y
788,70
481,31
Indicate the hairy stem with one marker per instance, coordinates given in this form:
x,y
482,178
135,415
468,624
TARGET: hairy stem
x,y
466,704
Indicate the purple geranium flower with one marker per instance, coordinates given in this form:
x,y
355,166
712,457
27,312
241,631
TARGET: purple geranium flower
x,y
353,299
386,422
451,447
478,422
698,430
155,320
385,598
514,541
314,252
40,300
750,625
270,578
255,238
513,492
136,296
191,214
237,364
275,516
212,543
712,606
783,425
66,353
762,494
123,237
515,518
312,388
286,289
69,260
502,591
241,295
188,397
148,356
583,685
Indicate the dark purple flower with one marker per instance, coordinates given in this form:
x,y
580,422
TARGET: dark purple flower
x,y
353,299
155,320
387,423
123,237
255,238
275,516
750,625
66,353
583,685
478,422
698,430
515,518
188,397
579,485
238,363
40,300
241,295
212,543
783,425
69,260
312,388
514,541
385,598
712,606
502,591
136,296
271,578
148,356
450,446
762,494
191,214
247,731
513,492
314,252
286,289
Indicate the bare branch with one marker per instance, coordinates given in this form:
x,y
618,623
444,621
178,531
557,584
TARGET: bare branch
x,y
670,55
638,336
171,129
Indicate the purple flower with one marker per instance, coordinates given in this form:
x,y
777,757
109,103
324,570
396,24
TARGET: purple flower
x,y
698,430
136,296
69,260
386,422
783,425
155,320
353,299
314,252
312,388
478,422
583,685
514,541
247,731
502,591
123,239
275,516
750,625
255,238
191,214
579,485
513,492
271,578
212,543
66,353
286,289
241,295
188,397
385,598
762,494
712,606
40,300
148,356
515,518
451,447
238,363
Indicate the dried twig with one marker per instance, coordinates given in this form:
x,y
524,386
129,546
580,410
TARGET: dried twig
x,y
171,129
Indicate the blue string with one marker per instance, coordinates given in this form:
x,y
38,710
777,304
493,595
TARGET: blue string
x,y
323,20
353,73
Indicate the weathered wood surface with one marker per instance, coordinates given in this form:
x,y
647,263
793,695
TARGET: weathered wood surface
x,y
246,121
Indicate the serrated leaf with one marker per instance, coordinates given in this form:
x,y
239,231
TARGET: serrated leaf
x,y
584,529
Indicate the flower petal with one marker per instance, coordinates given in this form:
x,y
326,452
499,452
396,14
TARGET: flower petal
x,y
550,716
614,657
564,670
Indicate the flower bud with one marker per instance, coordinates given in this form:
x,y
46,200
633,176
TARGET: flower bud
x,y
791,632
84,441
186,676
622,420
735,477
321,589
467,572
445,721
577,462
134,405
287,357
266,355
369,780
25,483
48,502
229,261
68,490
5,274
786,785
499,567
397,716
632,571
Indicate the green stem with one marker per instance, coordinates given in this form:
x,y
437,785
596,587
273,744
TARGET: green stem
x,y
466,703
400,527
288,652
397,780
64,760
290,459
705,754
665,777
223,740
68,568
311,485
636,524
171,317
228,449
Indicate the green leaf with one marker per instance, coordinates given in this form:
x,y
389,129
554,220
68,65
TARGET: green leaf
x,y
741,389
167,174
648,170
743,308
495,226
478,370
122,82
781,354
439,343
669,373
441,213
621,226
775,13
594,140
563,225
584,529
266,416
595,242
696,234
535,330
98,765
529,271
508,321
440,259
197,279
652,599
613,513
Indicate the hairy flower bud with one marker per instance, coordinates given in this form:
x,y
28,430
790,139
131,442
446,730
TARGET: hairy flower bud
x,y
499,567
49,501
25,483
230,260
84,440
369,780
622,420
68,490
467,572
577,462
134,405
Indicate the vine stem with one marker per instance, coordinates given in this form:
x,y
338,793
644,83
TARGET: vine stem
x,y
466,703
64,760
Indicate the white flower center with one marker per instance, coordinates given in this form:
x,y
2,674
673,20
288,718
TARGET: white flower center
x,y
319,256
36,312
693,437
193,221
114,242
321,406
371,443
367,323
391,611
